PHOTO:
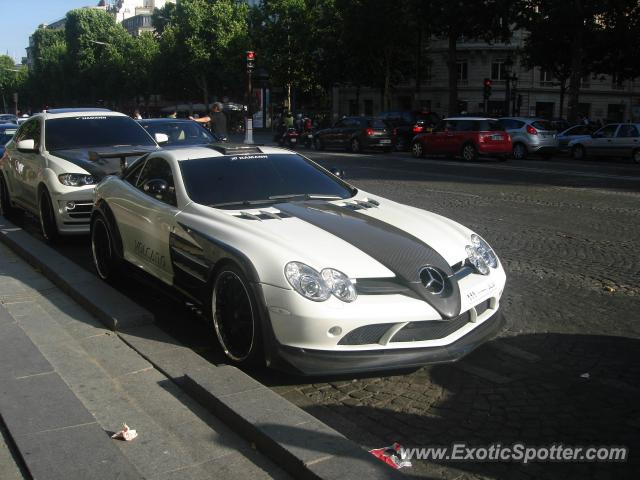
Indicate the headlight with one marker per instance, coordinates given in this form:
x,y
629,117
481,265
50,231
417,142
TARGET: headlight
x,y
481,255
340,285
76,179
319,286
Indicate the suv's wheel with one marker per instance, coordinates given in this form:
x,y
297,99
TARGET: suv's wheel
x,y
520,151
416,150
355,146
636,156
48,225
6,208
578,152
234,313
105,258
469,152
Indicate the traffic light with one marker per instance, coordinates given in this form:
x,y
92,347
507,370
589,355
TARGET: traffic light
x,y
487,88
251,60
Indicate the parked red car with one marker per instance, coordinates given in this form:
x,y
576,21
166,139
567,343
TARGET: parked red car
x,y
468,137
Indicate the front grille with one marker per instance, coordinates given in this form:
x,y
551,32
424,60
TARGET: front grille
x,y
430,330
483,307
81,211
365,335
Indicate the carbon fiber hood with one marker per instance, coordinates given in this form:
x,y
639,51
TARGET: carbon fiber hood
x,y
103,166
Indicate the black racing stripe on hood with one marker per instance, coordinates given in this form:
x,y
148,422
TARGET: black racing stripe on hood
x,y
98,168
399,251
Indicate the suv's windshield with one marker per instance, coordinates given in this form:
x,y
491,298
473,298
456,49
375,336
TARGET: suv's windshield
x,y
233,181
185,133
94,131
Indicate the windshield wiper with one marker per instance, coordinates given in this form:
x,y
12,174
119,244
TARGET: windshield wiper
x,y
241,203
306,196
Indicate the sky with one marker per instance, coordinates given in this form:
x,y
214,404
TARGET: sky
x,y
20,18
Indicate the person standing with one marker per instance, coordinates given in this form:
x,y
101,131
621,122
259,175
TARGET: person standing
x,y
217,120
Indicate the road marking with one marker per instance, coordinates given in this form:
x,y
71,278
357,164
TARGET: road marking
x,y
531,170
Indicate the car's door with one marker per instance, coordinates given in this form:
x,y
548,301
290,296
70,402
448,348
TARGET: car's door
x,y
446,143
26,166
146,217
434,142
602,142
626,140
331,137
351,127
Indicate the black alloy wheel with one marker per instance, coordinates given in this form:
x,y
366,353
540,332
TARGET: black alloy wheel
x,y
520,151
578,153
469,153
48,225
103,251
355,147
235,317
6,209
416,150
636,156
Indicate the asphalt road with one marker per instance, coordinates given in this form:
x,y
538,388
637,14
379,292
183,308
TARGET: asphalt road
x,y
568,234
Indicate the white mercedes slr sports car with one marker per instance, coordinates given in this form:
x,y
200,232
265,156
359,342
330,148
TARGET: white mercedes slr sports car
x,y
294,266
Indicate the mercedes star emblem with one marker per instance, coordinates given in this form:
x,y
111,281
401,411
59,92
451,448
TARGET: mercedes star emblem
x,y
432,280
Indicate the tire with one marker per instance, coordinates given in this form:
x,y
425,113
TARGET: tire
x,y
520,151
48,225
578,153
469,153
318,144
6,209
103,251
235,318
354,146
417,150
636,156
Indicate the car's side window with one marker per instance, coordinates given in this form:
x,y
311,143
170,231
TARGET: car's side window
x,y
30,131
627,131
465,126
607,131
158,169
131,176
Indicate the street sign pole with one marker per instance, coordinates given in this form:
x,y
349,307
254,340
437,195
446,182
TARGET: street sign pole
x,y
248,131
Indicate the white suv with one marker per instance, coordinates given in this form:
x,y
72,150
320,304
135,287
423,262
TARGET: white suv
x,y
54,160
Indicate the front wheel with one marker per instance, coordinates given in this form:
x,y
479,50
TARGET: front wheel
x,y
318,144
519,151
578,152
469,153
636,156
416,150
355,146
234,313
48,225
103,250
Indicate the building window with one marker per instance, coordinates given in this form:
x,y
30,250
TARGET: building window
x,y
585,82
463,70
546,78
498,71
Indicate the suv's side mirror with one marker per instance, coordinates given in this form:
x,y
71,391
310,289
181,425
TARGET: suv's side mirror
x,y
338,172
156,187
26,146
161,138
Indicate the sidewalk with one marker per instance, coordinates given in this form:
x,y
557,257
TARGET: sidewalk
x,y
67,383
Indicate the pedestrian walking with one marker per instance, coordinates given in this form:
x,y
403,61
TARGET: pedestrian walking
x,y
217,121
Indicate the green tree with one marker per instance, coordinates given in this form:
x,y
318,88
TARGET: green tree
x,y
489,20
11,79
46,83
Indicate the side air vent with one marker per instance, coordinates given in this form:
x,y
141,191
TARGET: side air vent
x,y
361,204
263,215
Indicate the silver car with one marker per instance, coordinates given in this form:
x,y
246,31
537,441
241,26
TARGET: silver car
x,y
612,140
576,132
530,135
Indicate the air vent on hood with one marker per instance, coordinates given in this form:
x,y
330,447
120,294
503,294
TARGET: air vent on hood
x,y
262,215
361,204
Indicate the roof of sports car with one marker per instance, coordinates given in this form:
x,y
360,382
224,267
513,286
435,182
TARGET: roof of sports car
x,y
222,149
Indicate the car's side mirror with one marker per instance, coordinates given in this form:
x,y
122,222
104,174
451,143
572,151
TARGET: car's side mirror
x,y
161,138
156,188
338,172
26,146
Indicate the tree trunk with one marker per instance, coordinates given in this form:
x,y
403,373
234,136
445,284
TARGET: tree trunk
x,y
452,65
576,61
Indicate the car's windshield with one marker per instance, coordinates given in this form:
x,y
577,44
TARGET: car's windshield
x,y
94,131
189,133
235,180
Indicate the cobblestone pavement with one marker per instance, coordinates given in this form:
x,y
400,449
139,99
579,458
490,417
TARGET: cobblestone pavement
x,y
569,236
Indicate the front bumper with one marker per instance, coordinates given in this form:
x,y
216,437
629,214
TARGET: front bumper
x,y
319,362
74,220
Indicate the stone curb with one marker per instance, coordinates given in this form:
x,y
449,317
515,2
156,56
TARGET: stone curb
x,y
296,441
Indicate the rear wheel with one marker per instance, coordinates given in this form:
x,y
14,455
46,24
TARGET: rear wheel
x,y
235,318
469,153
318,144
636,156
520,151
578,152
355,146
48,225
416,150
103,250
6,208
